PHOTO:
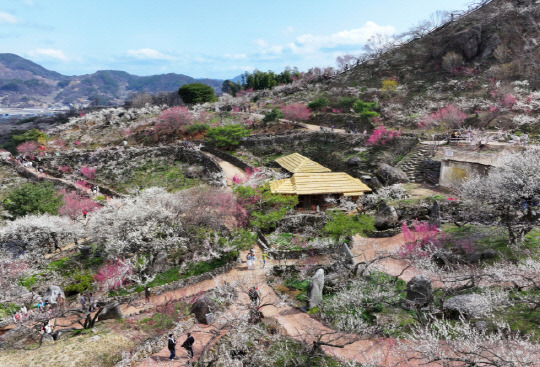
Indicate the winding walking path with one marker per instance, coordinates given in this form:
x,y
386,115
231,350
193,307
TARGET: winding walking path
x,y
296,324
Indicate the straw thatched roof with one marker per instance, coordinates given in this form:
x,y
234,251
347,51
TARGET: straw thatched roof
x,y
297,163
319,184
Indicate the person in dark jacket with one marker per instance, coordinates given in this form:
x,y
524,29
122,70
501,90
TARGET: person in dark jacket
x,y
188,345
171,344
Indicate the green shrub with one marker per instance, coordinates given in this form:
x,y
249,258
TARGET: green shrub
x,y
264,208
340,225
346,103
33,198
197,128
366,109
82,282
28,282
227,136
8,309
273,115
196,93
318,103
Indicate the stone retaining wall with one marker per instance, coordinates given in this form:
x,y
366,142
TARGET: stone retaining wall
x,y
226,157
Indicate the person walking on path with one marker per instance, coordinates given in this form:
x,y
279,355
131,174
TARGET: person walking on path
x,y
92,301
253,295
82,300
171,344
188,345
264,258
147,294
248,260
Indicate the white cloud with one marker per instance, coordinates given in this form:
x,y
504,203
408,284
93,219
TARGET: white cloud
x,y
266,48
48,53
357,36
6,18
148,54
313,44
235,56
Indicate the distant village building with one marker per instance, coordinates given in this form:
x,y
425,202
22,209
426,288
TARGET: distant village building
x,y
313,182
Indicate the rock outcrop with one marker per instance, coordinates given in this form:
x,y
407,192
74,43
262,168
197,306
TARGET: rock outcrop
x,y
201,308
111,312
391,175
419,292
52,293
315,289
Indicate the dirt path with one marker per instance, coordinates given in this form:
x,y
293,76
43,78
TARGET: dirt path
x,y
297,324
231,171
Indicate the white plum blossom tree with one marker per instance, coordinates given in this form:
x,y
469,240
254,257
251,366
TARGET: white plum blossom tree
x,y
512,189
36,235
140,227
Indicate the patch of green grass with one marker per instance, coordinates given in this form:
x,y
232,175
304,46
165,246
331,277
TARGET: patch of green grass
x,y
300,285
8,309
207,266
522,317
155,173
496,239
173,274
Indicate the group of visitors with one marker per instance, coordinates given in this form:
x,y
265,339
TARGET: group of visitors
x,y
88,302
21,315
27,162
187,345
251,259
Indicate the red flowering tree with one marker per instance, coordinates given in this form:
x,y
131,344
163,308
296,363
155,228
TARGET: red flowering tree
x,y
27,148
172,120
381,136
215,208
296,112
88,172
422,241
113,275
448,117
75,204
83,184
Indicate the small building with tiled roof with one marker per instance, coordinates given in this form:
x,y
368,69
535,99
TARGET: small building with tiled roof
x,y
313,182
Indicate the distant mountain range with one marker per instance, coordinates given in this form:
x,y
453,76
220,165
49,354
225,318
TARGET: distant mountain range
x,y
24,83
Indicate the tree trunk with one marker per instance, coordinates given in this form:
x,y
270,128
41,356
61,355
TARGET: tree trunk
x,y
516,234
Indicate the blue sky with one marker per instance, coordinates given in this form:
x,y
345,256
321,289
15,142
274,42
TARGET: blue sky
x,y
200,38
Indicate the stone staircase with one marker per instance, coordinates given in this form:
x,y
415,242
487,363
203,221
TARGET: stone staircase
x,y
411,164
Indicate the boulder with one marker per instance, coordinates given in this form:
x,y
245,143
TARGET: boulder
x,y
372,182
111,312
468,305
346,254
419,292
354,162
315,289
52,293
47,339
490,45
468,41
201,308
386,218
391,175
